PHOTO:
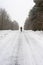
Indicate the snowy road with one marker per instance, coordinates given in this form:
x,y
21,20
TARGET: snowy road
x,y
21,48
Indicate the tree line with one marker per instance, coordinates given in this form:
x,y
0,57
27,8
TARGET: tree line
x,y
5,22
35,17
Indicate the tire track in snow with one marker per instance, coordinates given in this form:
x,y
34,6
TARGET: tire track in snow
x,y
36,43
16,51
33,61
6,53
35,50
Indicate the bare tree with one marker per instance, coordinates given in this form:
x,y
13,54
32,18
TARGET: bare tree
x,y
4,18
15,25
6,23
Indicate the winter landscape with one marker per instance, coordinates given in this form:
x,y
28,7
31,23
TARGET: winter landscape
x,y
21,32
21,48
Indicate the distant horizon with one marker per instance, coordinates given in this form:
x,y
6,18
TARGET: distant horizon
x,y
17,9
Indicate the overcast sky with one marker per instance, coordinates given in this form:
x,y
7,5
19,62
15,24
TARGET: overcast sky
x,y
17,9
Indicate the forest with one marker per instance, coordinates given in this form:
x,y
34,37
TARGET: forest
x,y
6,23
34,20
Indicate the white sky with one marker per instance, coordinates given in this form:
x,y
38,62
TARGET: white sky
x,y
17,9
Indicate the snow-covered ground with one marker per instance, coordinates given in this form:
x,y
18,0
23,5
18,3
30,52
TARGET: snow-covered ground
x,y
21,48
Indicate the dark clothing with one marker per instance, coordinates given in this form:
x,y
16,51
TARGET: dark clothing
x,y
21,29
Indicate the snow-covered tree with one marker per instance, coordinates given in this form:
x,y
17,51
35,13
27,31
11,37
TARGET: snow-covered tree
x,y
35,17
